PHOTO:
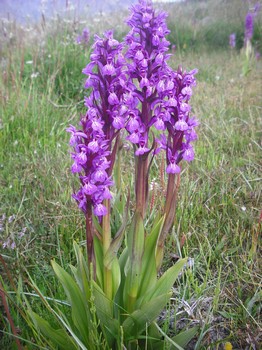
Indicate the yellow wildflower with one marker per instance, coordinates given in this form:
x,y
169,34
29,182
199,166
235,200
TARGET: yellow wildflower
x,y
228,346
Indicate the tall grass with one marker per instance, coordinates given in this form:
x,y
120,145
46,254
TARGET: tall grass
x,y
198,25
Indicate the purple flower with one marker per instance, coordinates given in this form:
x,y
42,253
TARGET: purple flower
x,y
141,150
113,99
232,40
100,210
257,8
163,92
108,109
249,26
132,92
181,125
89,188
84,38
109,69
188,153
173,168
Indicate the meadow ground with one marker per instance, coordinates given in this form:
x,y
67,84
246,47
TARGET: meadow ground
x,y
218,218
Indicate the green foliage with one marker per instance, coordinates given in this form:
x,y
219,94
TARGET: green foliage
x,y
208,25
94,316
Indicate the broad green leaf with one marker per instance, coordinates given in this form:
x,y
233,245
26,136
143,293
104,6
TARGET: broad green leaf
x,y
103,304
135,243
149,271
99,261
140,319
183,338
166,281
96,224
154,338
118,301
58,336
81,274
117,241
123,259
119,202
70,331
80,315
116,276
56,315
104,309
166,337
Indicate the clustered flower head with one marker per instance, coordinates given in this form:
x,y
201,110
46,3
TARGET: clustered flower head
x,y
249,26
132,89
164,93
84,38
107,107
232,40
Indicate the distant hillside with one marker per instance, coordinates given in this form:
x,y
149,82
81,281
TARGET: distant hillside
x,y
23,10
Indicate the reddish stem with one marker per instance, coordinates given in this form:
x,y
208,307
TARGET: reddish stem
x,y
11,322
90,235
142,184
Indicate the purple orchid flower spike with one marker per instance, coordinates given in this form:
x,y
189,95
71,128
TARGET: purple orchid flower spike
x,y
232,40
95,143
249,27
84,38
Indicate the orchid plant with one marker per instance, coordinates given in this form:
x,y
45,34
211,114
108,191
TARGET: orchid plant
x,y
249,30
249,27
134,95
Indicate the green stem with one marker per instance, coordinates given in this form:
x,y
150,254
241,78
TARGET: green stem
x,y
106,235
141,184
135,241
170,210
9,317
90,236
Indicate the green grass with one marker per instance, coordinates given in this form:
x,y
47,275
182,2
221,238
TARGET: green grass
x,y
218,213
209,24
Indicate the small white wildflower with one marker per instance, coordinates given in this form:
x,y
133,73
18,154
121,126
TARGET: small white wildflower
x,y
49,56
34,75
217,77
15,143
29,62
11,218
243,208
